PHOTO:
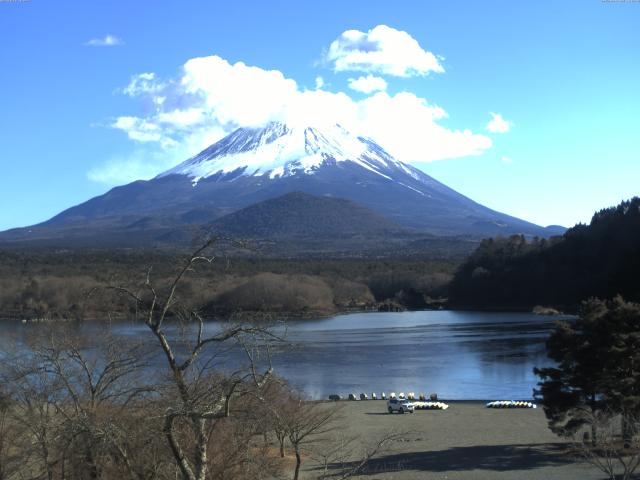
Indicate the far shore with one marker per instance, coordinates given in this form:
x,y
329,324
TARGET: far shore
x,y
300,315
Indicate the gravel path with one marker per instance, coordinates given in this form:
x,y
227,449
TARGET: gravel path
x,y
467,441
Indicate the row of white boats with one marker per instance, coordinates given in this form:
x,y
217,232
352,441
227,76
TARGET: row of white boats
x,y
383,396
421,402
510,404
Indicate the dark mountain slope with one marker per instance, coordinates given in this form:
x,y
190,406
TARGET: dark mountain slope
x,y
601,259
302,215
253,165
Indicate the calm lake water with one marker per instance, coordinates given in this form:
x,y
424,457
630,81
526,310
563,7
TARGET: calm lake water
x,y
458,355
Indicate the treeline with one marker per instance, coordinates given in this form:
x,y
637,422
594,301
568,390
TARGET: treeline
x,y
55,284
601,259
184,402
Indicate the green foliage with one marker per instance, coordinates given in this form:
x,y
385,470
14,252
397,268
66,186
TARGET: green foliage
x,y
598,365
599,260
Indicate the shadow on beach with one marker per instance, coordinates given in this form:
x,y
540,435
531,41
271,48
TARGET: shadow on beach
x,y
498,458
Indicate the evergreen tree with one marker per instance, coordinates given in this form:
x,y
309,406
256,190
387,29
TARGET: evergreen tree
x,y
573,391
598,367
598,260
621,320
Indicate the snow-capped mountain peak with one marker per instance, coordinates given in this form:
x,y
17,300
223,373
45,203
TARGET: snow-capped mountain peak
x,y
280,150
303,166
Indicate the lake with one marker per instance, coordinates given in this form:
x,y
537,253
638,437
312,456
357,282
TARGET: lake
x,y
458,355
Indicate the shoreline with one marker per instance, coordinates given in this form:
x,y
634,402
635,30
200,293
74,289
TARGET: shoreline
x,y
296,316
320,371
464,442
441,400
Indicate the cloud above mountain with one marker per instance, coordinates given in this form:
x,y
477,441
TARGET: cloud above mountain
x,y
210,97
382,50
368,84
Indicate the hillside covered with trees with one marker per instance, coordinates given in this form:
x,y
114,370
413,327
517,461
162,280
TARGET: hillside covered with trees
x,y
601,259
55,284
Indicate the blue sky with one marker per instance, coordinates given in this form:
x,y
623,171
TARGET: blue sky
x,y
563,75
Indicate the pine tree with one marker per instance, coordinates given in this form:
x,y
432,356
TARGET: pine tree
x,y
622,322
597,367
573,391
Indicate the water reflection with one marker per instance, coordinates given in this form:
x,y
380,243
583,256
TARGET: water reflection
x,y
463,355
459,355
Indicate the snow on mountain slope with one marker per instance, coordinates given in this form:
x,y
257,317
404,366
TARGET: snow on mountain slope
x,y
253,165
279,150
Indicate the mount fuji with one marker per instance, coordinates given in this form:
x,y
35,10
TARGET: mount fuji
x,y
253,165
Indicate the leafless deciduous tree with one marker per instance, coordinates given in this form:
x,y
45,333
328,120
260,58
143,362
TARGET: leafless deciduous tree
x,y
34,399
306,423
77,401
198,395
10,440
615,454
341,456
98,384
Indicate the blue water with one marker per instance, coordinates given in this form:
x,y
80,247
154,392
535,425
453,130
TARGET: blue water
x,y
458,355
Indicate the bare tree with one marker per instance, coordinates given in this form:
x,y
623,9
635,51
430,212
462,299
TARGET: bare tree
x,y
11,438
616,449
271,405
306,423
313,428
341,456
237,453
198,397
35,398
76,401
335,453
100,382
32,396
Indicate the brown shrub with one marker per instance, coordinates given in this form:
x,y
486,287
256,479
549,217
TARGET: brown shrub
x,y
350,294
275,292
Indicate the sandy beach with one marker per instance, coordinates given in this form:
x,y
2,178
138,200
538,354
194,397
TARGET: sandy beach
x,y
467,441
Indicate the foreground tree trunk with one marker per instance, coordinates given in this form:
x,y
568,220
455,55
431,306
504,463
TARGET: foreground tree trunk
x,y
627,429
298,463
200,399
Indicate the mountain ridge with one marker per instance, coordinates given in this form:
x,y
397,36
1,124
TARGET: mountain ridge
x,y
252,165
278,150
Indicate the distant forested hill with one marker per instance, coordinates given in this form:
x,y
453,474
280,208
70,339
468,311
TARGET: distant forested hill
x,y
600,259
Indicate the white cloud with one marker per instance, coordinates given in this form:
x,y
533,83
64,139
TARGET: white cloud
x,y
150,158
237,94
139,165
383,50
106,41
407,126
142,83
182,119
319,82
211,97
507,160
368,84
139,129
497,124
